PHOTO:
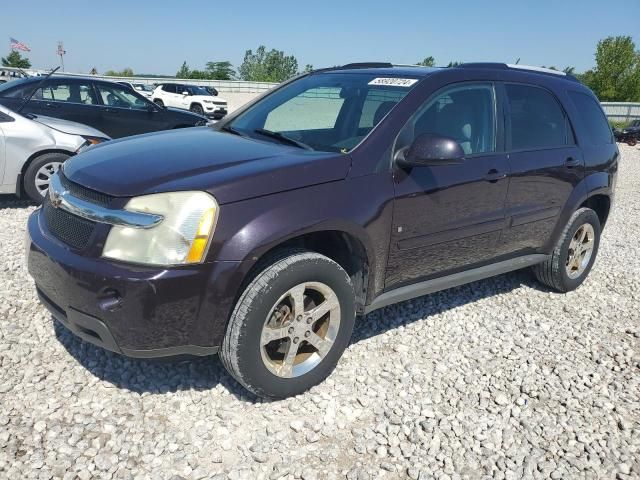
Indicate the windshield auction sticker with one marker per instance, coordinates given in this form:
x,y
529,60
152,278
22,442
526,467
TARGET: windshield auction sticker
x,y
393,82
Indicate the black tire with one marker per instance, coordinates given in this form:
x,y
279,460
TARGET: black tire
x,y
241,350
553,272
29,179
197,108
159,102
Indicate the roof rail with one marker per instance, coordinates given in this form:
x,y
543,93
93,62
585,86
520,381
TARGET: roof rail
x,y
510,66
366,65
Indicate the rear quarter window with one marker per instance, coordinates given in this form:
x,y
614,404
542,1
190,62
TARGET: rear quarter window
x,y
597,127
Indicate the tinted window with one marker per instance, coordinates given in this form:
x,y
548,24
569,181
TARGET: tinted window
x,y
537,120
593,118
464,113
67,92
170,88
120,97
17,88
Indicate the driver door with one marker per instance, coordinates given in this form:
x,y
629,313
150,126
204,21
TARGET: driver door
x,y
448,218
125,112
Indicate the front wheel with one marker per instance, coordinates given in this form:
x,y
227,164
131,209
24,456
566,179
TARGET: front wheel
x,y
159,102
290,325
38,175
197,108
574,254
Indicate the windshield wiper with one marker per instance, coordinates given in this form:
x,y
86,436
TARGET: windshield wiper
x,y
282,138
33,92
230,129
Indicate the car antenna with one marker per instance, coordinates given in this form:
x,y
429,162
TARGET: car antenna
x,y
26,100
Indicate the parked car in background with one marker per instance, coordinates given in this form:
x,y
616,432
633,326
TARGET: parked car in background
x,y
32,148
629,134
190,97
142,88
107,106
338,193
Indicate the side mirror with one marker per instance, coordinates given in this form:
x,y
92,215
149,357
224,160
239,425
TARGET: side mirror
x,y
430,149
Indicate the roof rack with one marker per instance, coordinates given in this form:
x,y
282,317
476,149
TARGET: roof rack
x,y
513,66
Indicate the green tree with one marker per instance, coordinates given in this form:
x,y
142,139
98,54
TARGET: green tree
x,y
453,64
220,70
616,76
271,66
14,59
427,62
184,71
127,72
307,68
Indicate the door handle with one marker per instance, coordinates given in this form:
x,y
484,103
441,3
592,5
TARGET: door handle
x,y
494,175
111,110
51,105
571,162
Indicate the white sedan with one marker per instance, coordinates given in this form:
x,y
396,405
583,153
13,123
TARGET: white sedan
x,y
32,148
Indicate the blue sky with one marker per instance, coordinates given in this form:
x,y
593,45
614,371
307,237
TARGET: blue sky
x,y
157,36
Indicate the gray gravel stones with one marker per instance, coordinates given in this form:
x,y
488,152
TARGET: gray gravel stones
x,y
498,379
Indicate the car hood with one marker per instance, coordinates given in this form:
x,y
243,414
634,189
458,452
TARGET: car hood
x,y
185,113
230,167
66,126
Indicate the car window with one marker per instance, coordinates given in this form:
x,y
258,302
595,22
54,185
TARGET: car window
x,y
116,96
313,109
67,92
377,104
537,119
324,111
465,113
597,126
17,88
169,88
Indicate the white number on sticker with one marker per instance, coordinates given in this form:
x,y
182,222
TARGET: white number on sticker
x,y
393,82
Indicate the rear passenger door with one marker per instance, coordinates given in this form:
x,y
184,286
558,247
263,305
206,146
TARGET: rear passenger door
x,y
545,162
73,100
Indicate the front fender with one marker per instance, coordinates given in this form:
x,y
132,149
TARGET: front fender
x,y
361,208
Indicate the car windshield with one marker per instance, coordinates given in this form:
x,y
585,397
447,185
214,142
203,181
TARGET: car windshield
x,y
142,86
13,84
329,112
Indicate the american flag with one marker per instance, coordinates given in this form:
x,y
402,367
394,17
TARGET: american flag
x,y
16,45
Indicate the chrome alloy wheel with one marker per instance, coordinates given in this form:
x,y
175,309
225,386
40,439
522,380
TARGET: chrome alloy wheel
x,y
580,250
43,176
300,329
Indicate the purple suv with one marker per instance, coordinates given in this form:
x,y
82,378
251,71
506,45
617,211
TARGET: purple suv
x,y
341,191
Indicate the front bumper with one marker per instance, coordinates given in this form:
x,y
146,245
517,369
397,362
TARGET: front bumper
x,y
137,311
215,112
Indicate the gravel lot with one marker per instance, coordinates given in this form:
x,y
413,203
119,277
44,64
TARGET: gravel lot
x,y
497,379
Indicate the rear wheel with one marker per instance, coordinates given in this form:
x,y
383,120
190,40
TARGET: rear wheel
x,y
290,325
197,108
38,175
574,254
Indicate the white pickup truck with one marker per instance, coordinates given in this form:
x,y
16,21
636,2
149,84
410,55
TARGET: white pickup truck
x,y
190,97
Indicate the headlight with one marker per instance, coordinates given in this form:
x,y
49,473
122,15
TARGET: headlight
x,y
90,142
183,236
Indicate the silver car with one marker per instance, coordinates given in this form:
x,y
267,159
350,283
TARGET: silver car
x,y
33,148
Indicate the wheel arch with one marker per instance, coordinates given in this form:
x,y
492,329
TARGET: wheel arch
x,y
32,157
342,245
594,191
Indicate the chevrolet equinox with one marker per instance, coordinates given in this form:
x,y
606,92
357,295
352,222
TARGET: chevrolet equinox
x,y
339,192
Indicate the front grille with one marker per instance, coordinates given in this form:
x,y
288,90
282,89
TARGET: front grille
x,y
84,193
66,227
